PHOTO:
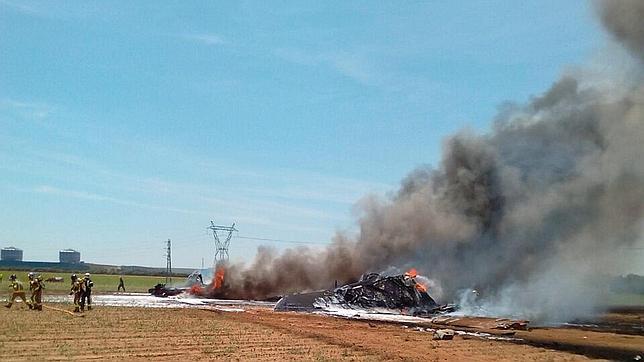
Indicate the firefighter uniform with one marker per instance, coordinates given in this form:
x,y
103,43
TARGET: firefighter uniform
x,y
36,286
86,297
17,291
77,292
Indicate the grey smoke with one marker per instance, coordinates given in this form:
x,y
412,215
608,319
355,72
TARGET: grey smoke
x,y
623,18
530,215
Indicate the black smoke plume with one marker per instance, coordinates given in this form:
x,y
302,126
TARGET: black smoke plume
x,y
529,214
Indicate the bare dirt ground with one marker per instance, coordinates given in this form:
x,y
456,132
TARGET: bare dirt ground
x,y
257,334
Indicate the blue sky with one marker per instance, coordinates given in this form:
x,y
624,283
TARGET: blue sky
x,y
124,124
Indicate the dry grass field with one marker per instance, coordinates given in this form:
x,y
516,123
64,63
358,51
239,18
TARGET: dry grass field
x,y
257,334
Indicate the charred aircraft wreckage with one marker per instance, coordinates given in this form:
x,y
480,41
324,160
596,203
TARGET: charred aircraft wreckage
x,y
373,292
164,290
402,293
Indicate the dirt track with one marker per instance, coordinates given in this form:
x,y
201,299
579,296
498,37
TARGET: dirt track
x,y
193,334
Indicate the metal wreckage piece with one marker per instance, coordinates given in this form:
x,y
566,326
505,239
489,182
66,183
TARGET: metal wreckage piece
x,y
161,290
372,291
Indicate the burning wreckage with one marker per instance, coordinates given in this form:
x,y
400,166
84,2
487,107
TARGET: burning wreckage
x,y
373,291
194,285
194,280
373,294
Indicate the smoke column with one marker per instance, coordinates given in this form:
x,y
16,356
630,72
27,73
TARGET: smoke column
x,y
529,214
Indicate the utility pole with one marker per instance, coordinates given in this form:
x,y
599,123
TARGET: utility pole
x,y
221,247
168,263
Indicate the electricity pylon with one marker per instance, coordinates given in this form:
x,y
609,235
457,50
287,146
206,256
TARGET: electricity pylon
x,y
221,247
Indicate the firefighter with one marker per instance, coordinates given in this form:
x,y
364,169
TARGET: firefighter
x,y
36,286
86,297
76,291
17,291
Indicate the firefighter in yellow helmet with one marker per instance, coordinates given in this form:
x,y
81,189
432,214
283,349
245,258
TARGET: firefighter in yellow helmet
x,y
36,286
17,291
76,291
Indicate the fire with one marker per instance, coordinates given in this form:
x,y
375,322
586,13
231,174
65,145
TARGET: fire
x,y
218,281
214,286
196,289
412,273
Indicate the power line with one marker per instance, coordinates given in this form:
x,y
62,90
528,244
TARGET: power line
x,y
281,241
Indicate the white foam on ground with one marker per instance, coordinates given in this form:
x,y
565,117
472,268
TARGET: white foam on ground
x,y
149,301
375,314
389,315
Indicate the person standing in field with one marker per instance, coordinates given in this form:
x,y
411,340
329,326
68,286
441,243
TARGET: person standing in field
x,y
121,284
36,286
86,298
17,291
76,291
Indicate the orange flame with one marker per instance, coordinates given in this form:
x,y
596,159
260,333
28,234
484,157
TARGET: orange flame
x,y
196,290
412,273
421,287
219,278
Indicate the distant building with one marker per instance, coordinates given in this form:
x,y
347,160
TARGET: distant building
x,y
11,254
69,256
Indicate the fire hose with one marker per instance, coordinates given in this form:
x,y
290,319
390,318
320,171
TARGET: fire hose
x,y
64,311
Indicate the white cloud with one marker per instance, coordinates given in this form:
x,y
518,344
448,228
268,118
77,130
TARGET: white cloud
x,y
353,65
58,10
52,190
21,6
205,38
291,203
25,110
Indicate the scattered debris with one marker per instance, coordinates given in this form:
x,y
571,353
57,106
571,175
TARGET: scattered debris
x,y
193,284
488,336
160,290
401,293
482,323
511,324
302,302
443,334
